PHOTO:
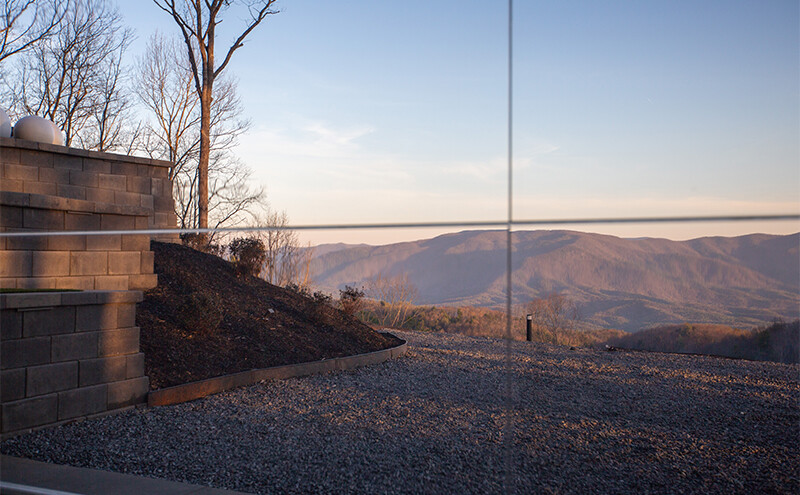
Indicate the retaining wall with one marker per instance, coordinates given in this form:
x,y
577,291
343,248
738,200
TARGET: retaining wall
x,y
67,355
55,188
202,388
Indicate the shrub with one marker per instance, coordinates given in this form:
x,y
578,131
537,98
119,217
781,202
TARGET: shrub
x,y
322,298
201,242
318,297
248,255
351,299
302,290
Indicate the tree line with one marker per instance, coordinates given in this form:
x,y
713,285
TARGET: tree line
x,y
778,341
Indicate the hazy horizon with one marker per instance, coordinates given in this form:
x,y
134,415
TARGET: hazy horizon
x,y
395,237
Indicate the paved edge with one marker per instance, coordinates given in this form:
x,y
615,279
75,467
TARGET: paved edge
x,y
24,476
196,390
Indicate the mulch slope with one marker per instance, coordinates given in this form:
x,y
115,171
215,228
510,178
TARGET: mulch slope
x,y
204,321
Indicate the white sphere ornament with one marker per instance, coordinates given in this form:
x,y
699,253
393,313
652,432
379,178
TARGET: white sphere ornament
x,y
35,128
58,136
5,124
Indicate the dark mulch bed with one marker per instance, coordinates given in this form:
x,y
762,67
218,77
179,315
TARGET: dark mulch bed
x,y
204,321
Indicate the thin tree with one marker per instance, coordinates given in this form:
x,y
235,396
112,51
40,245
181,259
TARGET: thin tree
x,y
198,21
555,315
396,296
165,87
172,132
287,262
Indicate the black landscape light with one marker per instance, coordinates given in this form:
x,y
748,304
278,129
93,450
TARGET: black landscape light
x,y
528,323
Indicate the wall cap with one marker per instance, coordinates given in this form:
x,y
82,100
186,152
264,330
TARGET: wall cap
x,y
22,300
65,150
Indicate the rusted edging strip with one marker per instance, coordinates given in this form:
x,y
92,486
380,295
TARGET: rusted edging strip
x,y
202,388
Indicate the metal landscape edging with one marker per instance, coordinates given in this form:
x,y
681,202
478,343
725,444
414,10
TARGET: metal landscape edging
x,y
202,388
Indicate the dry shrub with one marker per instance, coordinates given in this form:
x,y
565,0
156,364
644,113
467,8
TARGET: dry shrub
x,y
248,255
202,243
351,299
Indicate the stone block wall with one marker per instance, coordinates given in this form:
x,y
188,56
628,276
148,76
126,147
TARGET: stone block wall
x,y
66,355
86,262
105,178
48,188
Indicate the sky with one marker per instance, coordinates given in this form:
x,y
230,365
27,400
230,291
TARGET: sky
x,y
368,111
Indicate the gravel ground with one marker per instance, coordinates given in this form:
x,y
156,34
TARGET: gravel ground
x,y
436,421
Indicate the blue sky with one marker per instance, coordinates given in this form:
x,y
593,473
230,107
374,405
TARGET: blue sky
x,y
377,111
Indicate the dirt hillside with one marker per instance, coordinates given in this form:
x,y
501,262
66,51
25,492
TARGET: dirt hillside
x,y
204,321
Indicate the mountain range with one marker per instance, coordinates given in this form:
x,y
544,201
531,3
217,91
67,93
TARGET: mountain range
x,y
627,284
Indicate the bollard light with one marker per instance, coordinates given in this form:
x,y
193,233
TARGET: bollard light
x,y
529,323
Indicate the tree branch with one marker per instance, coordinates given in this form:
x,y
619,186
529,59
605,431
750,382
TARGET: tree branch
x,y
256,20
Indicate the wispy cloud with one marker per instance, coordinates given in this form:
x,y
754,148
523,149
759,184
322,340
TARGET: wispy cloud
x,y
311,139
529,154
490,169
328,136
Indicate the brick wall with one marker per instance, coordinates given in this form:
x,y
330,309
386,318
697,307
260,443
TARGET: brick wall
x,y
67,355
47,188
121,180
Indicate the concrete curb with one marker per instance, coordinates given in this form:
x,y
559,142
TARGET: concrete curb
x,y
20,476
196,390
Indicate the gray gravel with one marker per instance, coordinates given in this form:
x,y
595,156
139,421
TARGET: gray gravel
x,y
437,421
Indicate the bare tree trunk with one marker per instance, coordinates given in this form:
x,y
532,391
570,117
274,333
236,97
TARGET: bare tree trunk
x,y
197,21
205,151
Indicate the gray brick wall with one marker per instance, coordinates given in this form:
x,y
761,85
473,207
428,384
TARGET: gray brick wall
x,y
65,355
28,167
101,262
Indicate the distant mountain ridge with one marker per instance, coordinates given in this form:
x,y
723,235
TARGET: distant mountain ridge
x,y
618,283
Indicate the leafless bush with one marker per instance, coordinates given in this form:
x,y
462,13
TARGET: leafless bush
x,y
201,243
553,317
395,296
351,300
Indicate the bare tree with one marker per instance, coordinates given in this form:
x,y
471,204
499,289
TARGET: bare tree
x,y
232,199
75,76
198,21
24,23
173,133
287,263
553,316
396,296
166,89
